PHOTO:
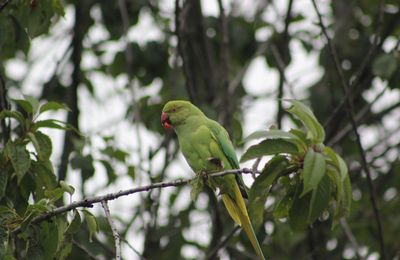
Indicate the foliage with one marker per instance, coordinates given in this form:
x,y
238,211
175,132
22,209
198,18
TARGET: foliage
x,y
115,64
312,175
29,187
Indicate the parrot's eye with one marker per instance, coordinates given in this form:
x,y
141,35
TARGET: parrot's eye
x,y
174,110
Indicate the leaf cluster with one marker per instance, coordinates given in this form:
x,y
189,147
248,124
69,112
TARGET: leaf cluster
x,y
28,187
313,178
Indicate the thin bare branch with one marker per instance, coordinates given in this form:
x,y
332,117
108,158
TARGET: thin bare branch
x,y
350,111
356,78
226,99
281,64
114,230
350,236
235,83
88,202
223,243
79,31
5,128
360,115
4,4
133,249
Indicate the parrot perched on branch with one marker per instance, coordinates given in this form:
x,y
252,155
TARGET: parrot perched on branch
x,y
207,148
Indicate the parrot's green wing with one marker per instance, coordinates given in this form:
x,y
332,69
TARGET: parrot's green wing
x,y
222,138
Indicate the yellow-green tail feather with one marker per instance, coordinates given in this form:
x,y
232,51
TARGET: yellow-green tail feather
x,y
237,210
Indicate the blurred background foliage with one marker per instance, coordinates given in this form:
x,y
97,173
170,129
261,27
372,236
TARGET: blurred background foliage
x,y
91,54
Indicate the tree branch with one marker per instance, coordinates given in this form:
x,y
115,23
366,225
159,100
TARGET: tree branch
x,y
81,12
181,52
4,4
223,243
235,83
5,129
359,118
116,236
350,236
350,111
355,81
88,202
226,102
282,65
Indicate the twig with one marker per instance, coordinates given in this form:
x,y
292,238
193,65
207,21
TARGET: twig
x,y
5,128
133,249
189,79
4,4
235,83
346,129
223,243
88,202
255,166
81,12
281,64
136,109
350,236
355,80
116,236
281,67
350,111
85,250
226,102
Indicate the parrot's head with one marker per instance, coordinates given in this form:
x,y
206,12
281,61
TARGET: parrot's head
x,y
176,112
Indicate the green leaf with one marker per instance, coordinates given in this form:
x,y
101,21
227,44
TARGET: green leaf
x,y
64,252
66,187
33,102
39,207
270,134
52,106
343,194
49,239
85,164
347,196
298,212
75,224
338,162
3,182
20,159
131,172
269,147
315,131
385,65
45,145
44,177
117,154
92,224
282,208
50,123
109,170
259,191
313,170
320,199
24,104
54,194
13,114
301,141
42,144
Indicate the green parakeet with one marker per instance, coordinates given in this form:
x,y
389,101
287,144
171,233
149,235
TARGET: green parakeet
x,y
207,148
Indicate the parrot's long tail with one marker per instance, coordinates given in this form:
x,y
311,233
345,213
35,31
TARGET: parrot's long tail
x,y
237,210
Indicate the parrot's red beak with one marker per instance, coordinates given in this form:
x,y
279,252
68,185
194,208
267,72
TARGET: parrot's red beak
x,y
166,123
